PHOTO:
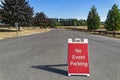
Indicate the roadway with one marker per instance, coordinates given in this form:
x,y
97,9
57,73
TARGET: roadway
x,y
44,56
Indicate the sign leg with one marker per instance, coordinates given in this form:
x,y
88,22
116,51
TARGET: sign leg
x,y
69,74
88,75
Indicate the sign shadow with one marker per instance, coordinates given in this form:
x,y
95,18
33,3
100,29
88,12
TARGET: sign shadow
x,y
52,68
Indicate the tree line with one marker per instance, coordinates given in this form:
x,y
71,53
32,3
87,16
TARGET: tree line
x,y
20,11
68,22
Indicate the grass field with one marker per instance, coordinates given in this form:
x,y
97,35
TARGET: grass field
x,y
9,33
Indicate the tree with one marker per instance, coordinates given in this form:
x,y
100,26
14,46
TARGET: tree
x,y
41,20
112,22
93,20
55,21
50,23
16,11
82,22
68,22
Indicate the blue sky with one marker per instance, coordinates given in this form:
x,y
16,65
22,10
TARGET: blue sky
x,y
72,8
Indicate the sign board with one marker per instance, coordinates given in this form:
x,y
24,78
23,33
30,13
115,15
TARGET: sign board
x,y
78,62
16,25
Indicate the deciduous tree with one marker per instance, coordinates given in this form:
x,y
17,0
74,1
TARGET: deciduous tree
x,y
41,20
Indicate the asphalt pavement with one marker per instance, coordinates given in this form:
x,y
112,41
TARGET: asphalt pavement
x,y
44,56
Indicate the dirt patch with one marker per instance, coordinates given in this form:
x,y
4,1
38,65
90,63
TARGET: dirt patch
x,y
10,33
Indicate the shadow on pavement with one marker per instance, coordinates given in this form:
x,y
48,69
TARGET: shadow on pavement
x,y
52,68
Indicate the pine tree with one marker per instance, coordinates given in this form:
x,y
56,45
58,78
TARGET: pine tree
x,y
112,22
16,11
93,20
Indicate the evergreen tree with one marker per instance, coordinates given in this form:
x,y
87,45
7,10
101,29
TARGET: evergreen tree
x,y
16,11
93,20
113,19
